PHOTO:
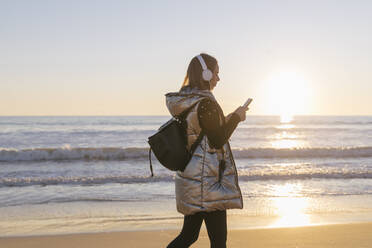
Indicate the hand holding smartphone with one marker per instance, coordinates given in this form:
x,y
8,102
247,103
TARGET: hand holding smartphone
x,y
246,104
241,111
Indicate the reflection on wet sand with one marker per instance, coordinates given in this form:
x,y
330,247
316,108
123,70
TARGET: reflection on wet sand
x,y
290,206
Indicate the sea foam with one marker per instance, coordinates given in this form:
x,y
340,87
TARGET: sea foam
x,y
118,153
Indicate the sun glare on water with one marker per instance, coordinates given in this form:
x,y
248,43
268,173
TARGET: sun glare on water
x,y
288,93
286,118
284,138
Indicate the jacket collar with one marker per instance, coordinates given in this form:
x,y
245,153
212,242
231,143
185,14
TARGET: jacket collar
x,y
178,102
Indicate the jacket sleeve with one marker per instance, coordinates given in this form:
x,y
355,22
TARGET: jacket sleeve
x,y
209,119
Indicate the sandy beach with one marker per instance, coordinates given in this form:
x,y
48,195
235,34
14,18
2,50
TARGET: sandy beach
x,y
340,235
86,85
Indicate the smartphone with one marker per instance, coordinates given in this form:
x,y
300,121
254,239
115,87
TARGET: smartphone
x,y
246,104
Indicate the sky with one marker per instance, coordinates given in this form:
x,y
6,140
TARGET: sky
x,y
121,57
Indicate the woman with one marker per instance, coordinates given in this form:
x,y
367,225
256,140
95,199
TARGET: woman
x,y
209,184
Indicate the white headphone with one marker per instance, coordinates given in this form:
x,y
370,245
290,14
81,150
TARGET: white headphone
x,y
207,74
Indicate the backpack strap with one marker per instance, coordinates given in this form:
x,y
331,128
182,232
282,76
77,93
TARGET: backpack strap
x,y
152,172
183,115
196,143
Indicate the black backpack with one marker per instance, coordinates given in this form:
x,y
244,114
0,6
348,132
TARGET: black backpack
x,y
169,144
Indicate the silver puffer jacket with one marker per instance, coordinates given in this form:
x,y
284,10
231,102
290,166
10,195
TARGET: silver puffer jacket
x,y
198,187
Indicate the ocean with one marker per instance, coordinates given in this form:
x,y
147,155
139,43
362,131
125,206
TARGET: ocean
x,y
91,173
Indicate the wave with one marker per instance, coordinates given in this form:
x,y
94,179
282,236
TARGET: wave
x,y
316,152
72,154
353,122
146,129
330,122
327,130
29,181
117,153
100,180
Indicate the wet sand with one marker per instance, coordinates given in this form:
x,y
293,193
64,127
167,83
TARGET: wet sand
x,y
340,235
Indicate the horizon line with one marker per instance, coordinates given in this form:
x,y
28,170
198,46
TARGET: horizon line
x,y
142,115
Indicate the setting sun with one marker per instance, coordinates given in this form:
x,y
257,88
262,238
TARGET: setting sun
x,y
288,93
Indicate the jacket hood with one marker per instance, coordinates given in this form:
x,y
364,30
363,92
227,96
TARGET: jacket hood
x,y
178,102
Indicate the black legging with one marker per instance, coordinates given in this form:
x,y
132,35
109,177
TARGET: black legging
x,y
216,226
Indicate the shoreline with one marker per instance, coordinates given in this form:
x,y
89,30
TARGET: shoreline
x,y
49,221
332,235
178,229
